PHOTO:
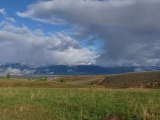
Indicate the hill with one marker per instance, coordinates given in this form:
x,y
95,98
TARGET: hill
x,y
125,80
139,79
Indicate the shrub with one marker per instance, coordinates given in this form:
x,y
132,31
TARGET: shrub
x,y
62,80
8,76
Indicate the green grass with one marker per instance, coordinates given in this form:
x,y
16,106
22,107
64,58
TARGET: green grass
x,y
78,103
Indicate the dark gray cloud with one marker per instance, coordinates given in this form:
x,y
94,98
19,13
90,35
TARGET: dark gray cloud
x,y
128,29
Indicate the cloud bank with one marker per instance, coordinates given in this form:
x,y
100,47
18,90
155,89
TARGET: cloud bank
x,y
128,29
15,71
22,45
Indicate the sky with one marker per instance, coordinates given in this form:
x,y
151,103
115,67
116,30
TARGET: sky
x,y
80,32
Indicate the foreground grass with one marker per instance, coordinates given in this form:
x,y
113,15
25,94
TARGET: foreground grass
x,y
78,103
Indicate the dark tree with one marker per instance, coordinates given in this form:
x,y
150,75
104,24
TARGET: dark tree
x,y
8,76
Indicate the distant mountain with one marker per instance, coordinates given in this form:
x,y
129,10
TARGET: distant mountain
x,y
81,70
23,69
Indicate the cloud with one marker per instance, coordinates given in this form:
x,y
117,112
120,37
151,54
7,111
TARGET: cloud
x,y
15,71
2,11
22,45
139,70
129,30
6,17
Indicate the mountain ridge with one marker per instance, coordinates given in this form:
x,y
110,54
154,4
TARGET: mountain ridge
x,y
23,69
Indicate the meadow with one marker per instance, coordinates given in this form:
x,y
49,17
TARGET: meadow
x,y
42,100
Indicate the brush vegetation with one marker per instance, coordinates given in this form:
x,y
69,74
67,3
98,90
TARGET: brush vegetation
x,y
140,79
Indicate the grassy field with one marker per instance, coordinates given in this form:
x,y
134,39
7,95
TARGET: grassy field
x,y
38,84
86,79
31,100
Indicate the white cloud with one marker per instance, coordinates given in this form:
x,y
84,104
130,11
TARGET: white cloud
x,y
15,71
7,19
10,19
129,30
20,44
2,11
139,70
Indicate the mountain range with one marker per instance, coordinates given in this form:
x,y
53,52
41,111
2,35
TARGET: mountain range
x,y
23,69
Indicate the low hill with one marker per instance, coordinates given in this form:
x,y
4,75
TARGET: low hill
x,y
139,79
125,80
